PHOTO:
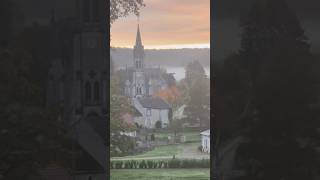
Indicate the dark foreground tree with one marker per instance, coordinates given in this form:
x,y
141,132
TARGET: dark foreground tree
x,y
275,54
31,135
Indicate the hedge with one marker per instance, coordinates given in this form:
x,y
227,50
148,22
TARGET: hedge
x,y
152,164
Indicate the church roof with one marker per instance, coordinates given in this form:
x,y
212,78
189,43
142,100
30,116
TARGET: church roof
x,y
153,103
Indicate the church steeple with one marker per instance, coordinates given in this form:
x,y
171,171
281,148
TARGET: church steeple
x,y
138,52
138,37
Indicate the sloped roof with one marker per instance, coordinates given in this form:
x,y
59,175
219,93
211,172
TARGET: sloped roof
x,y
206,132
153,103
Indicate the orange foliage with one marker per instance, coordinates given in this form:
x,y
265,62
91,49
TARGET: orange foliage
x,y
170,94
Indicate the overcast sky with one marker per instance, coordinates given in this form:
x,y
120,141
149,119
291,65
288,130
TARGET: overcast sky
x,y
166,24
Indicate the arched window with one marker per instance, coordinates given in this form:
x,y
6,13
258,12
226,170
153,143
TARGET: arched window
x,y
86,10
88,92
137,64
96,94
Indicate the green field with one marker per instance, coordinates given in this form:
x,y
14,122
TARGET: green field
x,y
160,174
183,151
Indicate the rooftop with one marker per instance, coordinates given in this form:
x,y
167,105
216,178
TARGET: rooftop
x,y
153,103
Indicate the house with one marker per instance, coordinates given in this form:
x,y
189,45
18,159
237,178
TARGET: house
x,y
205,141
154,111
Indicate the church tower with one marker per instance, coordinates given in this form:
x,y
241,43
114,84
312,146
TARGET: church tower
x,y
90,64
138,83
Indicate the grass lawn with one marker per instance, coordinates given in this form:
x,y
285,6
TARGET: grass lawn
x,y
184,150
160,174
191,136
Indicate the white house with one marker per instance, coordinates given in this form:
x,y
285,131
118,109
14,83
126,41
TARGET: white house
x,y
205,141
153,109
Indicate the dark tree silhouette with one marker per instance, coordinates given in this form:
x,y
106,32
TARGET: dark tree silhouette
x,y
269,90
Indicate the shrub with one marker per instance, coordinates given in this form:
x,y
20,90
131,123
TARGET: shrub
x,y
158,125
111,164
174,163
152,137
150,164
142,164
118,164
133,164
166,164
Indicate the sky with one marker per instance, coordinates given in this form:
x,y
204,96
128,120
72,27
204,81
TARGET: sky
x,y
166,24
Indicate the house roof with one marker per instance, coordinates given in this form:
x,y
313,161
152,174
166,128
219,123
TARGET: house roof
x,y
206,132
153,103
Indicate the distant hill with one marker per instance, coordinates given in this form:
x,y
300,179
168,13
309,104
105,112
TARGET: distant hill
x,y
163,57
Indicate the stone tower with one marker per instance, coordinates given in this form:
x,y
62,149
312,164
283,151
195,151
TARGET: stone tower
x,y
89,61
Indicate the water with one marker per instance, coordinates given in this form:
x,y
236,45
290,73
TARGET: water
x,y
179,72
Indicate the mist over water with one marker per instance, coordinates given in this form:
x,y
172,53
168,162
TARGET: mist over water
x,y
179,72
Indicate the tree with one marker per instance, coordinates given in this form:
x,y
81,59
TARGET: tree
x,y
6,19
31,135
158,125
122,8
198,106
170,94
175,126
276,56
119,106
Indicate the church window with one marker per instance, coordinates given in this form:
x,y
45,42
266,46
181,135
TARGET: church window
x,y
137,64
96,91
88,92
149,112
86,11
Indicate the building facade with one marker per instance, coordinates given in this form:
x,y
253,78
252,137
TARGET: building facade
x,y
78,83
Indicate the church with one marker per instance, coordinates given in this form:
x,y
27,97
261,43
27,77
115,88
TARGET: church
x,y
78,85
141,83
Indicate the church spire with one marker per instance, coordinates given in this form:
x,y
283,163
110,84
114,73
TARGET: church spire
x,y
138,37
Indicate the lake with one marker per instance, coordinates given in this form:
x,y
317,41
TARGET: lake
x,y
179,72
